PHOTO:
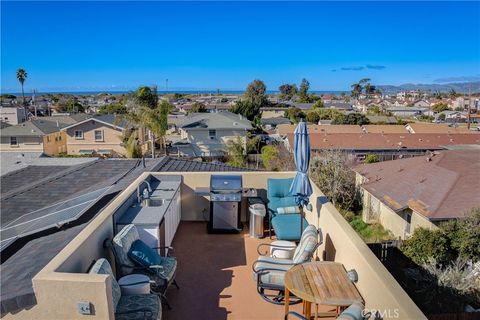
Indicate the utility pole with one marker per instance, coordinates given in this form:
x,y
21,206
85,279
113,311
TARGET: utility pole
x,y
469,105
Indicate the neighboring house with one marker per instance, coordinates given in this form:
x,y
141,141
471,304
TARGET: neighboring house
x,y
272,123
421,104
37,135
406,194
388,142
96,135
454,116
207,134
12,115
401,111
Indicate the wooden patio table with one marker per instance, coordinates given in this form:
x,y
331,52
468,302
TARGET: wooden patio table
x,y
320,282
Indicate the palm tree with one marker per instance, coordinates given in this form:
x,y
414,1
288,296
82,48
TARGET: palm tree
x,y
356,90
22,76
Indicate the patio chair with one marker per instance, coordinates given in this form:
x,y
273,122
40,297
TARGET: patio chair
x,y
284,215
129,307
353,312
161,270
269,272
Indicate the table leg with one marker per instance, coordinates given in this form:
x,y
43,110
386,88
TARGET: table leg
x,y
308,311
287,300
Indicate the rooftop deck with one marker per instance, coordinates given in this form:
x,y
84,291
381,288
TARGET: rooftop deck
x,y
214,271
215,277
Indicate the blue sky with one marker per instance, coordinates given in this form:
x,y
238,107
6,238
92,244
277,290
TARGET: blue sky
x,y
81,46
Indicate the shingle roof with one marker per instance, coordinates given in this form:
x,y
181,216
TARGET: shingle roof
x,y
444,187
53,186
169,164
215,120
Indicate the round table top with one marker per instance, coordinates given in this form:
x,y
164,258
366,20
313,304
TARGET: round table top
x,y
134,281
322,282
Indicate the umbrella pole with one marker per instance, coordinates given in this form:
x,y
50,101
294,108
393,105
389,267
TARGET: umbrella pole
x,y
301,221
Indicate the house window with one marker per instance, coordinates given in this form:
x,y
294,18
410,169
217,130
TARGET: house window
x,y
212,134
13,141
408,220
98,135
78,134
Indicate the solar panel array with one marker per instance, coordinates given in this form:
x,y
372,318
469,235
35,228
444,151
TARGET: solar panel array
x,y
52,216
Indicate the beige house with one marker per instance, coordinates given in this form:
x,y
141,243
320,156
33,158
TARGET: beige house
x,y
37,135
96,135
406,194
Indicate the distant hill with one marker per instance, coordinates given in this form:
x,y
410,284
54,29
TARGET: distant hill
x,y
460,87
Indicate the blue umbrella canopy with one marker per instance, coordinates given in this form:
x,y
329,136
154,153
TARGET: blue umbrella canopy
x,y
301,187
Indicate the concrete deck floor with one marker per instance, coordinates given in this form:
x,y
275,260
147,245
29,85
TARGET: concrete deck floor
x,y
215,277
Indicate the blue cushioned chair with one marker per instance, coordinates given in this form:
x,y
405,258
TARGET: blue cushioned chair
x,y
129,307
287,225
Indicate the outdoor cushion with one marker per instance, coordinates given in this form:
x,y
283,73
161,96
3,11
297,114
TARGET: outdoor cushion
x,y
286,210
287,226
144,302
306,247
354,312
278,194
274,277
122,243
103,267
142,254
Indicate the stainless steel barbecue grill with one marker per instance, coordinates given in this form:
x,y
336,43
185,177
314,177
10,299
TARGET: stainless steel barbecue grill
x,y
225,199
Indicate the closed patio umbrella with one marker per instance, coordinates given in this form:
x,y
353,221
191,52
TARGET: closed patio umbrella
x,y
301,187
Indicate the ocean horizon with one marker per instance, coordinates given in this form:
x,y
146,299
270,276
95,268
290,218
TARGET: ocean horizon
x,y
115,92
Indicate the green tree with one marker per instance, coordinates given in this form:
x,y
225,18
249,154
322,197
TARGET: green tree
x,y
351,118
198,107
147,97
21,77
356,90
256,93
328,114
303,91
442,116
439,107
294,114
114,108
318,104
371,158
255,97
237,155
287,91
269,155
425,244
374,110
330,170
312,117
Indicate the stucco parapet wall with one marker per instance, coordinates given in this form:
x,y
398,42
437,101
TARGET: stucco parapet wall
x,y
376,284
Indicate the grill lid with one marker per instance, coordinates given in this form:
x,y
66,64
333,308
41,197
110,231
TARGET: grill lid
x,y
225,183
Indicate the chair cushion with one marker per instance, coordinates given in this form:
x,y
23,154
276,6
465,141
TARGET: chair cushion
x,y
354,312
122,243
148,302
273,277
287,226
306,248
286,210
143,255
103,267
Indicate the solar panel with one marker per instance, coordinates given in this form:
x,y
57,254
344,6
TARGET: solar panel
x,y
52,216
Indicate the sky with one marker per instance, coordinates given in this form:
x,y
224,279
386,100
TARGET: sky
x,y
88,46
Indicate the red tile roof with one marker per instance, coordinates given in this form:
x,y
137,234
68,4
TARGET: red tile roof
x,y
445,187
378,141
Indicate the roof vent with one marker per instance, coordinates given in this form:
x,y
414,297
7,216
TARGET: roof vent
x,y
235,123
